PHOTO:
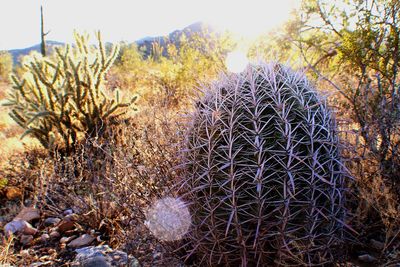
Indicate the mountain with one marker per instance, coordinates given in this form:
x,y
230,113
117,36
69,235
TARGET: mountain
x,y
17,53
145,43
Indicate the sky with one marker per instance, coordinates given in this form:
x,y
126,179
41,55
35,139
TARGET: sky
x,y
130,20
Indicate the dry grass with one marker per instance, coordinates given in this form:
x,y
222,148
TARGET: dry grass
x,y
7,253
111,181
10,132
373,202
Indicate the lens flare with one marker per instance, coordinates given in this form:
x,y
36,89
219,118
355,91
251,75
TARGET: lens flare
x,y
168,219
236,61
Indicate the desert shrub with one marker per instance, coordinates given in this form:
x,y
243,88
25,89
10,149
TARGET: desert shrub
x,y
23,170
168,71
111,181
62,99
6,64
354,49
265,179
194,59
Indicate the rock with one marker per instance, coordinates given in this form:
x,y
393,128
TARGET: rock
x,y
45,263
13,193
103,256
70,232
19,226
72,217
133,262
25,253
81,241
67,239
367,258
3,221
68,212
54,234
28,214
157,255
65,225
29,230
51,221
95,261
26,239
377,244
44,238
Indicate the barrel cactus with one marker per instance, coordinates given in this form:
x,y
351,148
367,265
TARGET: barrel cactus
x,y
264,175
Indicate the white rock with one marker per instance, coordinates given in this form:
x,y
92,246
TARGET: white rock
x,y
67,239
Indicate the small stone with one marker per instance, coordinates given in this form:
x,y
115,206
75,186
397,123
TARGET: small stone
x,y
29,230
103,256
81,241
68,212
67,239
51,221
28,214
26,239
72,217
70,232
19,226
65,225
24,253
366,258
133,262
13,193
157,255
44,237
3,221
45,263
95,261
54,234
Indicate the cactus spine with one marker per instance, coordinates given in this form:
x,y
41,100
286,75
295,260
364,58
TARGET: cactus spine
x,y
264,173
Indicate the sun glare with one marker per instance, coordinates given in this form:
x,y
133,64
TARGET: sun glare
x,y
247,19
251,18
236,61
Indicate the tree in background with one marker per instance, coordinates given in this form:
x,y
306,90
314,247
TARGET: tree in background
x,y
6,64
169,73
353,48
196,58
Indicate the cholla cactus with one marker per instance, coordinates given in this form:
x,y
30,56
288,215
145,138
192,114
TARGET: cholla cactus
x,y
264,173
64,96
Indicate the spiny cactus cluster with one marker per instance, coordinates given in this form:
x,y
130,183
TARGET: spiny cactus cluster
x,y
264,173
60,98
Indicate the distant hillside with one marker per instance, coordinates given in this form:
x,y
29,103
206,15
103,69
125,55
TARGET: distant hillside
x,y
145,43
17,53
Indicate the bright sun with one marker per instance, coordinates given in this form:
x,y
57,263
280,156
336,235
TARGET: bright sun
x,y
236,61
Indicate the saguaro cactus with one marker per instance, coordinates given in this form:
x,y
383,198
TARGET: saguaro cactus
x,y
264,173
63,96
